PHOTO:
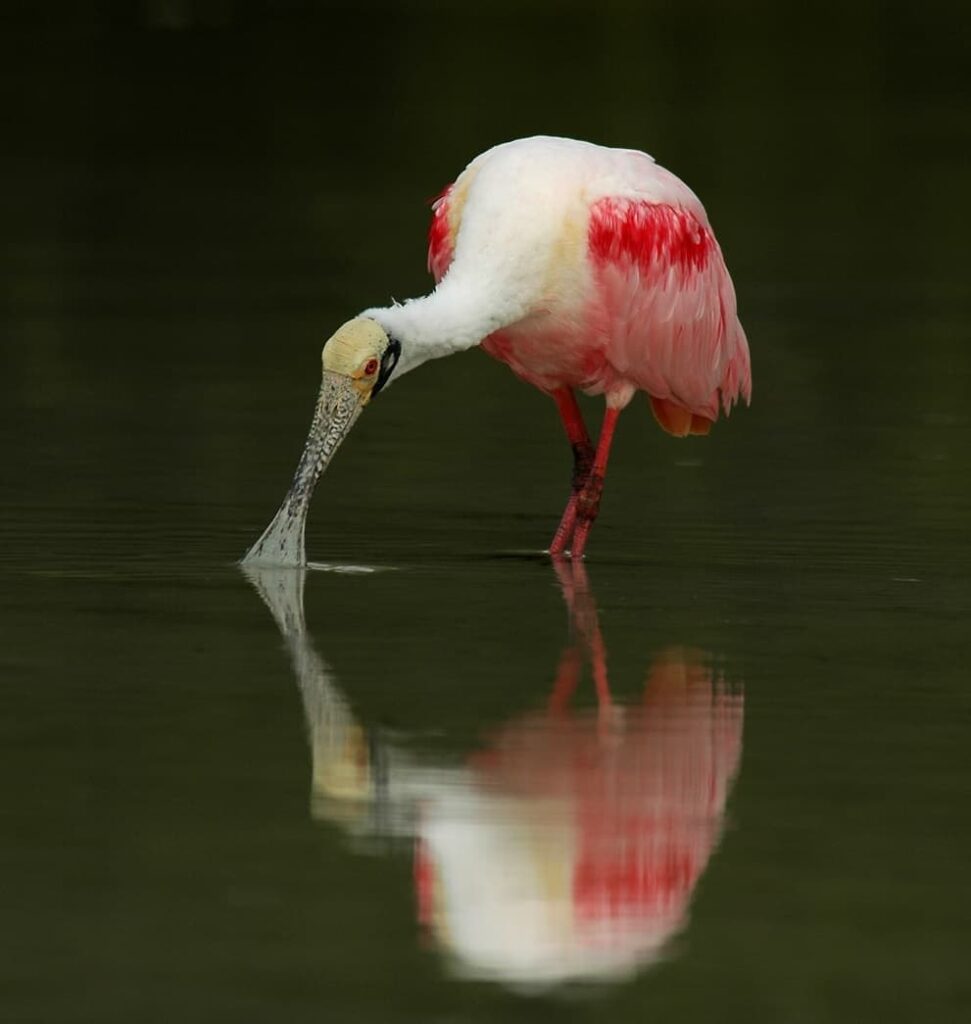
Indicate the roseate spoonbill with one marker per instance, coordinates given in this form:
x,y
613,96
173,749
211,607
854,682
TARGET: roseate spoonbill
x,y
581,268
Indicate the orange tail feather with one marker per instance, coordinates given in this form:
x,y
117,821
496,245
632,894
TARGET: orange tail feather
x,y
677,420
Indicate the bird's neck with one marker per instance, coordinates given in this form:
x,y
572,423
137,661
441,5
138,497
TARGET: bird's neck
x,y
456,316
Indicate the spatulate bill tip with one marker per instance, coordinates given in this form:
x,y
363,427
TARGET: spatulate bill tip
x,y
281,545
259,562
263,556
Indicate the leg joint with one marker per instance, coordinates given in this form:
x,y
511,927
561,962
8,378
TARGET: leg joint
x,y
582,463
588,500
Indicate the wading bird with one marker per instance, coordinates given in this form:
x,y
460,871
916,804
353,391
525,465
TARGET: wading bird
x,y
581,268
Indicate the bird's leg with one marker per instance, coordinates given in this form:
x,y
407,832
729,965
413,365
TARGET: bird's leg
x,y
588,500
576,432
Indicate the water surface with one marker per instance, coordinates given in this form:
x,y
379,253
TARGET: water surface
x,y
730,779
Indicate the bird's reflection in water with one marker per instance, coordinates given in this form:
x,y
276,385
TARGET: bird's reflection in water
x,y
567,848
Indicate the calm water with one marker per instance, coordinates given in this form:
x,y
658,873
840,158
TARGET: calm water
x,y
722,775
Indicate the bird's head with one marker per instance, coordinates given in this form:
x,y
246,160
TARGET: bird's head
x,y
357,362
359,358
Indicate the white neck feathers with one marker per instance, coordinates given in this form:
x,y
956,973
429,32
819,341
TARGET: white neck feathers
x,y
451,319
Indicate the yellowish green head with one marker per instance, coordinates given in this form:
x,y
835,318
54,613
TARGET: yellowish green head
x,y
357,361
361,351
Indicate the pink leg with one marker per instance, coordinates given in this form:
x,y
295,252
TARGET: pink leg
x,y
588,500
576,432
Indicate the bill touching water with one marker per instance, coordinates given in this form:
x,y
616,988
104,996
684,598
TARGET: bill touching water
x,y
357,361
283,542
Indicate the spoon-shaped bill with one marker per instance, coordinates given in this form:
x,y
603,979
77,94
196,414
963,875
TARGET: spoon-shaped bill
x,y
338,407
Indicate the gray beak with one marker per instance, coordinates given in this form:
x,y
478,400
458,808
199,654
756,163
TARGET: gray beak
x,y
338,407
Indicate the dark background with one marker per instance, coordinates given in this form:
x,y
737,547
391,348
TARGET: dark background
x,y
192,197
194,194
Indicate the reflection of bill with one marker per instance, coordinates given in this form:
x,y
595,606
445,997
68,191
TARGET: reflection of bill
x,y
568,847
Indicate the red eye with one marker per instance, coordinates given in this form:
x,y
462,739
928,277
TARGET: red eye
x,y
371,367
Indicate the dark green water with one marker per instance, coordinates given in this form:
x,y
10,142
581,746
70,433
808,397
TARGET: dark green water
x,y
215,809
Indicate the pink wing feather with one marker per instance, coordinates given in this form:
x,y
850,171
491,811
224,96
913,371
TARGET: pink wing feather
x,y
663,311
440,241
666,304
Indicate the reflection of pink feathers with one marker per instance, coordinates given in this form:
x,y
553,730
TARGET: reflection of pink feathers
x,y
647,799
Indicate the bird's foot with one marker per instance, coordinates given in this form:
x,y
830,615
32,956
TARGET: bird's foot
x,y
588,507
578,518
564,532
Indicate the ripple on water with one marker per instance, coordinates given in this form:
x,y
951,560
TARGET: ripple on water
x,y
348,570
